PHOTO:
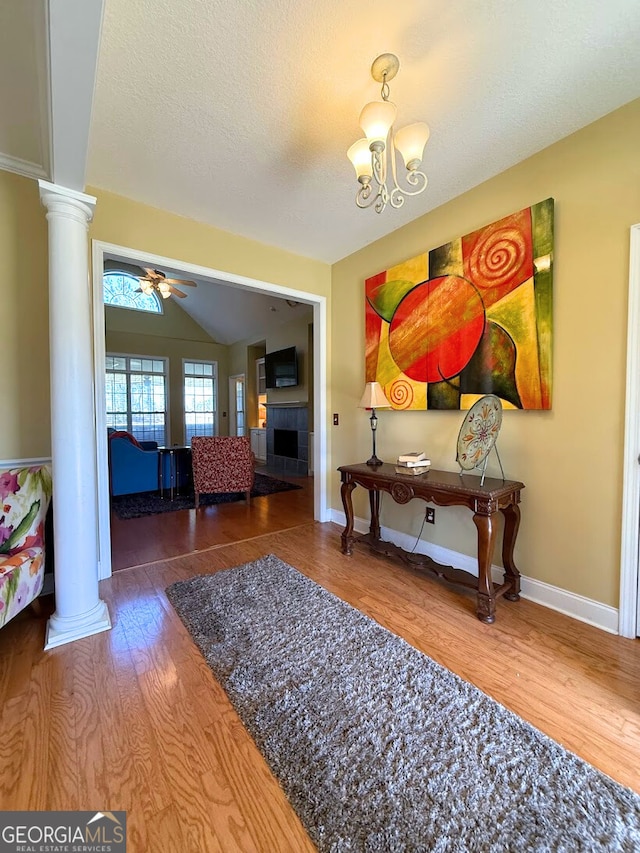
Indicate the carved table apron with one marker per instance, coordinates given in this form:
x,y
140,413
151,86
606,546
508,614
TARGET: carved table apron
x,y
443,488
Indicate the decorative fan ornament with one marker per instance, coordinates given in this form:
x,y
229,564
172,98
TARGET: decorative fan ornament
x,y
478,434
157,280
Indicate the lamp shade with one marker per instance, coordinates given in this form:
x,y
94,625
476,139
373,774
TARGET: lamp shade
x,y
360,156
374,397
376,119
410,142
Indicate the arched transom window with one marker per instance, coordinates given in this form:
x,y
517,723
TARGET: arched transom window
x,y
123,290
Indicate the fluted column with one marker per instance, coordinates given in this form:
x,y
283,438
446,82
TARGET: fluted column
x,y
79,610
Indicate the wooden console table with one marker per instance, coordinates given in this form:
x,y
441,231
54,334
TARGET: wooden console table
x,y
443,488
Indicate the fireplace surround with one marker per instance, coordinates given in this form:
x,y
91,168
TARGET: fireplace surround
x,y
288,438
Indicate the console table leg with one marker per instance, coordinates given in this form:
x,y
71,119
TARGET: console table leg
x,y
511,515
347,533
374,504
486,601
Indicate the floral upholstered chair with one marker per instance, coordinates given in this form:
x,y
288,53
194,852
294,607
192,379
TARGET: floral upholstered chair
x,y
25,494
222,464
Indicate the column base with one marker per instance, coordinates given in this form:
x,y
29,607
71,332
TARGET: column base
x,y
61,630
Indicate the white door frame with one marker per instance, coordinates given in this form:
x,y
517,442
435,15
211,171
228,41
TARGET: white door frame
x,y
321,450
629,607
233,419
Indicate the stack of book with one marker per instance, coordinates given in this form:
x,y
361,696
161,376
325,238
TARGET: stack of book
x,y
415,462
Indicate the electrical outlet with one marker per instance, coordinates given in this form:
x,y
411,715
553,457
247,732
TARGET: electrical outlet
x,y
336,419
430,515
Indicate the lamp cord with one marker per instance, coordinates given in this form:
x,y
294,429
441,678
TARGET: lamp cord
x,y
424,518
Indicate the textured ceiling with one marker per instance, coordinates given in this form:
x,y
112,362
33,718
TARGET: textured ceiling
x,y
239,114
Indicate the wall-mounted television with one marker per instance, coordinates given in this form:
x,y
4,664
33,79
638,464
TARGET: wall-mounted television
x,y
281,368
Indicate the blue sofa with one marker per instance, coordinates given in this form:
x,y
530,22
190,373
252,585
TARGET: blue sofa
x,y
133,465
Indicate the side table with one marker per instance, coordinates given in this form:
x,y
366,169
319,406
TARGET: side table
x,y
179,457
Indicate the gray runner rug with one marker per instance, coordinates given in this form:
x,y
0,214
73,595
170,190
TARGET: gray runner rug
x,y
379,748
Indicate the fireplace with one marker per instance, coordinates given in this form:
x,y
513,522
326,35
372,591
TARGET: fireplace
x,y
288,438
285,443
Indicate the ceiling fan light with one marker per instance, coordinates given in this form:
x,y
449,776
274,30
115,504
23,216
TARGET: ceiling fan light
x,y
146,287
410,142
360,157
376,119
164,289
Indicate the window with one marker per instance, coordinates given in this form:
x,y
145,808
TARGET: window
x,y
200,398
136,396
123,290
238,393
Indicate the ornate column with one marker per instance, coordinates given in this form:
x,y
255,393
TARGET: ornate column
x,y
79,610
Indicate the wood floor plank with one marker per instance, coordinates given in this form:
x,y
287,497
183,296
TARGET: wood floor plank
x,y
184,765
271,821
62,781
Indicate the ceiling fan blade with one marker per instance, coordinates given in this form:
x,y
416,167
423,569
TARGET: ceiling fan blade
x,y
152,275
177,292
180,281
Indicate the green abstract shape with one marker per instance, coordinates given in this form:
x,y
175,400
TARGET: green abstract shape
x,y
542,224
446,260
491,368
386,297
444,395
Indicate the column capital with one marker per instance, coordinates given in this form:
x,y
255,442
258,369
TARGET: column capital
x,y
62,200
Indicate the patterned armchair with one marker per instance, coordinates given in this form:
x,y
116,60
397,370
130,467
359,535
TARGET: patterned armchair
x,y
222,464
24,499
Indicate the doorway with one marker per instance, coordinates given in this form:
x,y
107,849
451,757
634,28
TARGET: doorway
x,y
629,607
237,405
99,251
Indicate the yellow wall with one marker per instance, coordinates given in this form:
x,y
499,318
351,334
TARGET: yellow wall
x,y
174,335
24,320
570,458
128,223
293,334
243,355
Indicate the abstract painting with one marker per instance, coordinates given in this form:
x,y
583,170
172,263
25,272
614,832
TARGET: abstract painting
x,y
470,318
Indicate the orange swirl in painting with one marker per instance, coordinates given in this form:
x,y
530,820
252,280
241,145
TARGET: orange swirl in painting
x,y
498,257
400,394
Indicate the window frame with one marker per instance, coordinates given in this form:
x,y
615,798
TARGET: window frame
x,y
127,275
216,394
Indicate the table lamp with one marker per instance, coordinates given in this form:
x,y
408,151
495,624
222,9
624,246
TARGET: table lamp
x,y
374,398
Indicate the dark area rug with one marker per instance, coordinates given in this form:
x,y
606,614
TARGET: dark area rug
x,y
150,503
379,748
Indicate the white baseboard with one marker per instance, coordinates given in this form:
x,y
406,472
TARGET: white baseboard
x,y
570,603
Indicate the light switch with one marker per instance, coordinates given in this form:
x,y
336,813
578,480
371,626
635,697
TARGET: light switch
x,y
335,419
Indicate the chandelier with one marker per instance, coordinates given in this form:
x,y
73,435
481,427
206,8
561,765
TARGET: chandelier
x,y
374,157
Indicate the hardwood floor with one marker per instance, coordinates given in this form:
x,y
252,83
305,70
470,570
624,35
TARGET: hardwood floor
x,y
136,541
133,719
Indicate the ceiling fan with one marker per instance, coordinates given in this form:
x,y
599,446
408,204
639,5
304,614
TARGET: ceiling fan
x,y
156,280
